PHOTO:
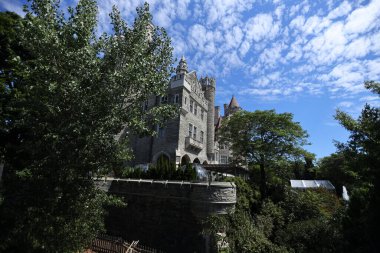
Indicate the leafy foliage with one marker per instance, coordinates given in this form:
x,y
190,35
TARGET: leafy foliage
x,y
66,95
363,153
275,218
161,171
263,138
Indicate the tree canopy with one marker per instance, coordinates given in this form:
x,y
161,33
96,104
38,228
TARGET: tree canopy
x,y
263,138
62,107
362,150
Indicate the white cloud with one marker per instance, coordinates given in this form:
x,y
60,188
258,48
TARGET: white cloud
x,y
279,11
234,37
358,48
369,98
372,69
182,9
244,48
261,26
271,56
347,78
315,25
328,46
345,104
262,92
363,19
375,43
203,40
297,23
340,11
274,76
218,9
294,9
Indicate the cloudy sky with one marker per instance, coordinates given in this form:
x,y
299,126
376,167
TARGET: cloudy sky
x,y
305,57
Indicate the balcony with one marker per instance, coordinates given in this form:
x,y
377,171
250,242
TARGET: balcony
x,y
184,110
191,143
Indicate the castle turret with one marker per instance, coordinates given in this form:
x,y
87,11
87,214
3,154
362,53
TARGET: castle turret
x,y
209,86
182,66
232,107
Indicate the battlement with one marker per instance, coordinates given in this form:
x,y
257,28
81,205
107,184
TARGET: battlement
x,y
208,81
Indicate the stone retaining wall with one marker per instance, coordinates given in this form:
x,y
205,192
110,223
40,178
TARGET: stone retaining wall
x,y
166,214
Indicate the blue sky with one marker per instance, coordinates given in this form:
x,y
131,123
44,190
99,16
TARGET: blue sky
x,y
305,57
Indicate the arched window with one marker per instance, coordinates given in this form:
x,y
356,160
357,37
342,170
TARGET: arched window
x,y
185,160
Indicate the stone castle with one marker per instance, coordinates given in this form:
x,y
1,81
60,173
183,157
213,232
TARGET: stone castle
x,y
192,136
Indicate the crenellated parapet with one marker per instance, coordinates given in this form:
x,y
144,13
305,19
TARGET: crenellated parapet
x,y
208,82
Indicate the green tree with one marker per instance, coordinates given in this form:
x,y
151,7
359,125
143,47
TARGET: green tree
x,y
262,138
10,50
338,169
306,221
363,150
74,94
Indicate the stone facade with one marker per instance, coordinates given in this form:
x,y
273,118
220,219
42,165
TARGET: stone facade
x,y
191,137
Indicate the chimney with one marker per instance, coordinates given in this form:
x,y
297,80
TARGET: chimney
x,y
225,109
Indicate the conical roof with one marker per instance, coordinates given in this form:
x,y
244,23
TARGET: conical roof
x,y
233,103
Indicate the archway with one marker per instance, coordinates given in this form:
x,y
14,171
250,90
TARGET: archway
x,y
185,160
161,156
163,159
196,160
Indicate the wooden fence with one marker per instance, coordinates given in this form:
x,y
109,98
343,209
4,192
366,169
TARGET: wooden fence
x,y
112,244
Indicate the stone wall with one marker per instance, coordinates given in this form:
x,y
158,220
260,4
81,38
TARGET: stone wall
x,y
167,214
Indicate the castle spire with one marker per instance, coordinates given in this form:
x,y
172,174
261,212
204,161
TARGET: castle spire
x,y
182,66
233,103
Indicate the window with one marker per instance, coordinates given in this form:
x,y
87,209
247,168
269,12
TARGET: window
x,y
185,100
202,112
195,133
191,105
202,133
145,106
176,98
190,130
223,159
195,109
164,99
160,131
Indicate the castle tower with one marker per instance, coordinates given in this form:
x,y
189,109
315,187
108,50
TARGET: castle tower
x,y
209,86
182,66
232,107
